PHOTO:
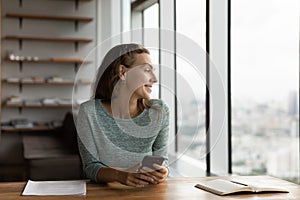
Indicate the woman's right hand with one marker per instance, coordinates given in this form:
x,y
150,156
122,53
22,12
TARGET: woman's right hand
x,y
132,177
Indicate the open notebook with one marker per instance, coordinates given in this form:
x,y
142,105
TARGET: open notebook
x,y
224,187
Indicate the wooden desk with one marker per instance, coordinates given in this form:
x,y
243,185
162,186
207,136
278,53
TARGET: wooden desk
x,y
173,188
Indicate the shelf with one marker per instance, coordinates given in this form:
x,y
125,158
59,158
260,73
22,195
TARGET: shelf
x,y
72,0
15,37
47,83
35,128
63,18
37,106
72,61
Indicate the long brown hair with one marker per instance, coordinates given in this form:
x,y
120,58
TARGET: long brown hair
x,y
108,72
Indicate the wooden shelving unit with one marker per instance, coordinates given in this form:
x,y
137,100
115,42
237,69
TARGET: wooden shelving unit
x,y
45,17
43,59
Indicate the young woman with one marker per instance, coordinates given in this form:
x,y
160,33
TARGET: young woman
x,y
121,124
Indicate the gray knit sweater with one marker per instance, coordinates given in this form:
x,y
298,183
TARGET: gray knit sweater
x,y
107,141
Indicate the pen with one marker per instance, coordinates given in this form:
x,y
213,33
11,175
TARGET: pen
x,y
239,183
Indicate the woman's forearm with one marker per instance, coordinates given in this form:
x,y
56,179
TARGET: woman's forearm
x,y
107,174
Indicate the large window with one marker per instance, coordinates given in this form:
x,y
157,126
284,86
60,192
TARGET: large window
x,y
264,82
265,88
151,38
188,115
190,22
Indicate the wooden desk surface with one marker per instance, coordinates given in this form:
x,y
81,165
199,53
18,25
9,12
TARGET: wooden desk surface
x,y
173,188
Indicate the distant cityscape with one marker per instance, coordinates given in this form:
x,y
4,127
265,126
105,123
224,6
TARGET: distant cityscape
x,y
265,136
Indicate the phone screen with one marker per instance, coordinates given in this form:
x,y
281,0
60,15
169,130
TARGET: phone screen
x,y
148,161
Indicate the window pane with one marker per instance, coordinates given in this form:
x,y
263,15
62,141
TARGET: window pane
x,y
150,21
265,88
190,21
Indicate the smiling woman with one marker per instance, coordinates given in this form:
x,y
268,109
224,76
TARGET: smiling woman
x,y
122,124
140,77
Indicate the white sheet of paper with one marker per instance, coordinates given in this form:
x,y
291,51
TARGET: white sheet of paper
x,y
77,187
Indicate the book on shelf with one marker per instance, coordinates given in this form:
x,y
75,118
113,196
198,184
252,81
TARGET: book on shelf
x,y
14,100
21,123
50,101
68,80
54,79
27,80
32,102
14,103
6,125
226,187
13,80
56,123
64,101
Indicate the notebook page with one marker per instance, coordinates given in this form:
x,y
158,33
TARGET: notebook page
x,y
225,186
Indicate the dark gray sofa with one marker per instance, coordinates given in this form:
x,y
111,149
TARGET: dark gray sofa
x,y
53,155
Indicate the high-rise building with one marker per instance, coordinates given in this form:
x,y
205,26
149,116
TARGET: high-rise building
x,y
293,103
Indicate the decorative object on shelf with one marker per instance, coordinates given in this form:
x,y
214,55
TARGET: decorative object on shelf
x,y
54,79
27,80
32,102
38,79
14,100
56,123
12,80
64,101
14,57
50,101
21,123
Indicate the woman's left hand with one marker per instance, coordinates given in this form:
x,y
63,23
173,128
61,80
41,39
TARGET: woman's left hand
x,y
159,175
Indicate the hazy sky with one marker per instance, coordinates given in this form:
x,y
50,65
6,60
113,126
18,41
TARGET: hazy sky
x,y
265,48
265,44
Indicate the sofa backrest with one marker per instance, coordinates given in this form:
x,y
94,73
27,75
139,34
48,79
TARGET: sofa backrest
x,y
69,133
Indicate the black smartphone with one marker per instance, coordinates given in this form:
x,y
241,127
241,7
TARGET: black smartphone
x,y
148,161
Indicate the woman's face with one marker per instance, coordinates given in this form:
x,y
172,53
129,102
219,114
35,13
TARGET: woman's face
x,y
140,77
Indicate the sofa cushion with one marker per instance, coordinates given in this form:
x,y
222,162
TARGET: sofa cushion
x,y
44,146
11,152
62,168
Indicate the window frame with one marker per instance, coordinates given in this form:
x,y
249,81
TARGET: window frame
x,y
218,24
211,141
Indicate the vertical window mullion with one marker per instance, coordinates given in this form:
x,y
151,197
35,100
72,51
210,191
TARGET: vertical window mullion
x,y
218,87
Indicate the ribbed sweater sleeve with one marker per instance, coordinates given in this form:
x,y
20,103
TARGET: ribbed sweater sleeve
x,y
91,165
